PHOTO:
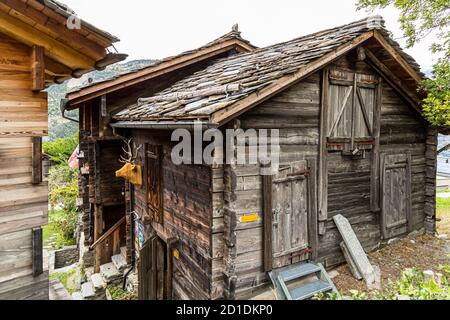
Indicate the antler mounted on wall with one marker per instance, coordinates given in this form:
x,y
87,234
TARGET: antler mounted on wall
x,y
131,151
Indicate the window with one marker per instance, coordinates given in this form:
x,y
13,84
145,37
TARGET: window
x,y
352,100
153,182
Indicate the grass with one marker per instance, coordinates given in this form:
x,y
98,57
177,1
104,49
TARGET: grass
x,y
69,279
51,235
118,294
443,214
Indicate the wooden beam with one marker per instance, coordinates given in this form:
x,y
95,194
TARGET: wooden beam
x,y
36,169
30,36
226,114
153,72
392,79
55,29
37,68
267,217
397,57
38,267
322,186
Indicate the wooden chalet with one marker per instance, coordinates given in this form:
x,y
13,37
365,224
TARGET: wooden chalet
x,y
352,142
36,49
102,195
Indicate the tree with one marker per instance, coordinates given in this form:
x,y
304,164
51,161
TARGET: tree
x,y
419,19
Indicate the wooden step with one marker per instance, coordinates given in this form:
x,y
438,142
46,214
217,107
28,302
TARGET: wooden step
x,y
309,290
299,271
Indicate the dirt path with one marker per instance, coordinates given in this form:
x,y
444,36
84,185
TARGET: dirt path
x,y
422,252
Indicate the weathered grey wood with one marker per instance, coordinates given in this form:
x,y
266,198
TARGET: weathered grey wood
x,y
322,192
267,219
312,208
375,183
38,266
355,249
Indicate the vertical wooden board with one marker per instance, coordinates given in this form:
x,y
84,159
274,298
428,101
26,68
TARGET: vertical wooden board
x,y
37,68
267,220
38,266
36,171
160,263
322,191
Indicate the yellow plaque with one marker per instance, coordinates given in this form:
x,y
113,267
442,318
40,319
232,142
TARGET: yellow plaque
x,y
249,218
176,254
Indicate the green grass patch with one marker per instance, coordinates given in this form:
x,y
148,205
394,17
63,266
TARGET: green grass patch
x,y
118,294
69,279
443,214
52,235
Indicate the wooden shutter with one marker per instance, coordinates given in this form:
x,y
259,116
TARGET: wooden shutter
x,y
352,99
154,182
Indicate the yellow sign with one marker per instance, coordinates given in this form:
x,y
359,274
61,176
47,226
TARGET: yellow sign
x,y
176,254
249,218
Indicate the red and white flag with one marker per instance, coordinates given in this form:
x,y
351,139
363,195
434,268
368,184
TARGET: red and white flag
x,y
73,160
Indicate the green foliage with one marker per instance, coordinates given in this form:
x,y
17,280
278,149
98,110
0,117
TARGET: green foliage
x,y
418,19
63,188
61,149
412,285
118,294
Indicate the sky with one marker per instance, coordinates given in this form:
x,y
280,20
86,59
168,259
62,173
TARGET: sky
x,y
154,29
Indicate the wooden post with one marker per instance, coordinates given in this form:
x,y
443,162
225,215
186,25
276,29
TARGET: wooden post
x,y
322,193
312,207
36,169
267,217
98,229
375,178
168,290
37,68
37,252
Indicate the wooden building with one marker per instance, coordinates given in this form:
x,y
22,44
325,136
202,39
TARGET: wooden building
x,y
37,48
102,194
352,142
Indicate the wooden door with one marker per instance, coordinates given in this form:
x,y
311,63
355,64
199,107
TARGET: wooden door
x,y
152,270
396,194
292,213
154,182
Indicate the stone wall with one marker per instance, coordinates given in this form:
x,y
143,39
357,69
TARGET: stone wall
x,y
66,257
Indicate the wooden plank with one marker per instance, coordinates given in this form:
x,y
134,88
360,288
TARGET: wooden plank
x,y
38,266
322,191
37,68
355,249
375,178
397,57
267,218
36,160
313,232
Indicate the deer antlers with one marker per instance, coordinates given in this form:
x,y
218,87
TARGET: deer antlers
x,y
131,152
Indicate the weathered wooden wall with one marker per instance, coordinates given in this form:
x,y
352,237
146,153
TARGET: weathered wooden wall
x,y
23,205
297,109
350,189
187,207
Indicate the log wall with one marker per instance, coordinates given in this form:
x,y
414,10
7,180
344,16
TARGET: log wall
x,y
187,215
23,205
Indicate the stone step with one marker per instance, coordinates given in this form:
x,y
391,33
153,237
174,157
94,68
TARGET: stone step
x,y
119,262
123,251
88,291
97,282
110,273
77,296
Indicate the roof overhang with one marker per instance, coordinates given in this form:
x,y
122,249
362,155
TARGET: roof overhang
x,y
67,52
230,112
151,72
